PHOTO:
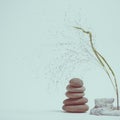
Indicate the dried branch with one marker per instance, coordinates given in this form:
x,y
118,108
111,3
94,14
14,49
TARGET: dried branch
x,y
104,64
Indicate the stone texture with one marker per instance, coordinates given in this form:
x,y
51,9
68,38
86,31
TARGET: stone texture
x,y
75,92
75,89
76,108
75,101
104,106
74,95
76,82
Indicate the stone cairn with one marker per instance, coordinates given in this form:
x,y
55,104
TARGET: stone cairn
x,y
75,103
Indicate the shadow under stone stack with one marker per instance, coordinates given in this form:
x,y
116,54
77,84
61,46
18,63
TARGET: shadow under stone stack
x,y
75,103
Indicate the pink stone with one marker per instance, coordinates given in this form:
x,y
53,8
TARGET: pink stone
x,y
76,82
76,108
75,89
78,101
74,95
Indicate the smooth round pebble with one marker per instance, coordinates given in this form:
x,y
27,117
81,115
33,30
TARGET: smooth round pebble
x,y
75,89
74,95
76,82
78,101
76,108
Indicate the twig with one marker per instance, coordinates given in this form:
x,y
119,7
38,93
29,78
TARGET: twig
x,y
104,64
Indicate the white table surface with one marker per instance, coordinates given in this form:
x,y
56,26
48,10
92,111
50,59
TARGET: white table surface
x,y
51,115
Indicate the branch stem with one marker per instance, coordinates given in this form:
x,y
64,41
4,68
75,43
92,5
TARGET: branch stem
x,y
104,64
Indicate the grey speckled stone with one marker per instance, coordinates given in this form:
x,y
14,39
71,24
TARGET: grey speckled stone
x,y
104,106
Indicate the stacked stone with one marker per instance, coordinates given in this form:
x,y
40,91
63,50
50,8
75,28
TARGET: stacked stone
x,y
75,92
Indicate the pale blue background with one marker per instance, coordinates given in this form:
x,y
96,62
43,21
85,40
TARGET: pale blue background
x,y
27,38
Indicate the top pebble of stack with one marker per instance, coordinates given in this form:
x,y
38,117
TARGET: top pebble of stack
x,y
76,82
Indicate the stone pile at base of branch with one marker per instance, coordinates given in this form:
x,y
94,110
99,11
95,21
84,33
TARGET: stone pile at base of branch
x,y
104,106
